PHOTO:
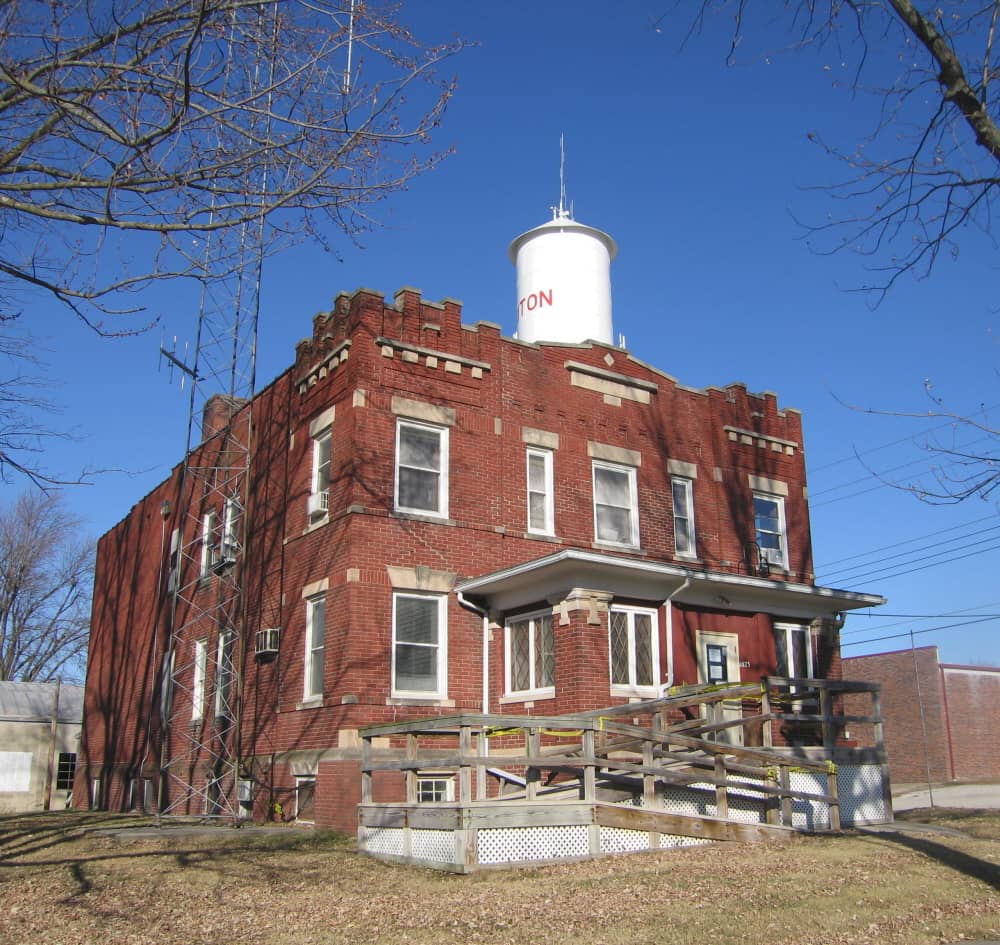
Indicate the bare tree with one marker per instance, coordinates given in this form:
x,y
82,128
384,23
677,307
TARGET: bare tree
x,y
46,575
170,120
931,164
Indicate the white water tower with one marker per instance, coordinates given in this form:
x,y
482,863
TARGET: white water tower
x,y
563,281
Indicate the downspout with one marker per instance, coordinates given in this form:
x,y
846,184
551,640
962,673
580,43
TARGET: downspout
x,y
670,634
465,602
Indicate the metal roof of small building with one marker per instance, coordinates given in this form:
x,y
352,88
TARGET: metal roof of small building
x,y
32,702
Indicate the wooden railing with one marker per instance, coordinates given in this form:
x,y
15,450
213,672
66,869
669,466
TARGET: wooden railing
x,y
697,735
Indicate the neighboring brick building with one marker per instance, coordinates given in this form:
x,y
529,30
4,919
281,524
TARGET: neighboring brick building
x,y
941,719
438,519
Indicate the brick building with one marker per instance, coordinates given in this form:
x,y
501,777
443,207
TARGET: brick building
x,y
442,519
941,719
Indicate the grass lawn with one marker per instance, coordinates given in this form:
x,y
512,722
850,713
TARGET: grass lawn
x,y
63,882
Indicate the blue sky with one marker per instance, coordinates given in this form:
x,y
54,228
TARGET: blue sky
x,y
699,171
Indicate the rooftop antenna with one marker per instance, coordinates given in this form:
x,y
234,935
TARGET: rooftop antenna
x,y
346,87
562,213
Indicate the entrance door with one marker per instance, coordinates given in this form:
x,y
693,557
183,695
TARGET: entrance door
x,y
719,664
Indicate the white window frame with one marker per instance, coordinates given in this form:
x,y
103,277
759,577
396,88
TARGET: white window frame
x,y
776,557
547,525
441,692
633,507
319,496
534,690
442,473
312,688
174,564
200,673
686,515
632,687
229,544
208,552
167,685
224,674
788,632
300,781
442,782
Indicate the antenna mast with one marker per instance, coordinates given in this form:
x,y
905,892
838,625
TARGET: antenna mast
x,y
202,768
562,213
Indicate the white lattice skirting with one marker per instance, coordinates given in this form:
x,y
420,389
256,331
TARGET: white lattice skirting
x,y
859,789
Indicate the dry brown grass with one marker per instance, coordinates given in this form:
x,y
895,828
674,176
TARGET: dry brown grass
x,y
62,882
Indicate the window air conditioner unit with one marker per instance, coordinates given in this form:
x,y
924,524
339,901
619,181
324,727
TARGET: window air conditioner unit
x,y
319,503
266,648
226,556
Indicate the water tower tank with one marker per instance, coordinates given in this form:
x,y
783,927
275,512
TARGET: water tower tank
x,y
563,282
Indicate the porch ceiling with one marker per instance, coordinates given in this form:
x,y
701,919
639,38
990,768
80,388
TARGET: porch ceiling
x,y
551,577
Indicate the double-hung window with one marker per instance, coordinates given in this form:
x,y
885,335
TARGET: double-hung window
x,y
635,651
682,491
208,554
198,682
419,646
531,659
421,468
229,546
769,526
319,496
315,646
540,492
616,509
794,645
224,672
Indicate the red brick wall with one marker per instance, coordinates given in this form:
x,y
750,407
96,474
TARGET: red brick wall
x,y
914,747
973,709
496,387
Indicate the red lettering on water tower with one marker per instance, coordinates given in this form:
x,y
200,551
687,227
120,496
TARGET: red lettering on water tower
x,y
538,299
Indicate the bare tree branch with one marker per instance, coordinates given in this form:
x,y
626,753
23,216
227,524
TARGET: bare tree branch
x,y
46,573
157,119
931,165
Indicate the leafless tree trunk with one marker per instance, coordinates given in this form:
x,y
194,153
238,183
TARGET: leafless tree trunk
x,y
46,576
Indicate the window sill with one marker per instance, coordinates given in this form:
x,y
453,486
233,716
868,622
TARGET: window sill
x,y
614,546
315,702
528,696
428,517
319,522
687,559
543,536
421,701
635,693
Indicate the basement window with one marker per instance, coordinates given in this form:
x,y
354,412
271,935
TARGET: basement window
x,y
435,788
305,799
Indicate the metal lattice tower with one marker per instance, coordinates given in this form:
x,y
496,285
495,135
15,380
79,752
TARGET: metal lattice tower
x,y
201,705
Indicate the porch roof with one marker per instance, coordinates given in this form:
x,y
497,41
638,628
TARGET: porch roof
x,y
553,576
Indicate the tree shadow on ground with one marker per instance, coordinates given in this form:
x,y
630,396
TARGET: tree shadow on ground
x,y
973,866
